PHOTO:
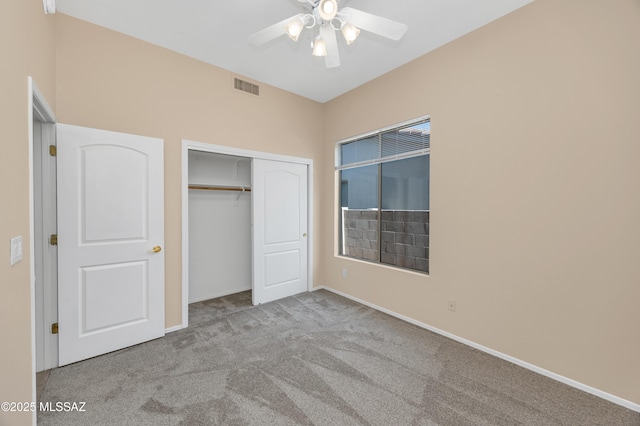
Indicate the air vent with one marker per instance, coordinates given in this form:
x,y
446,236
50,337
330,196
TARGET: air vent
x,y
245,86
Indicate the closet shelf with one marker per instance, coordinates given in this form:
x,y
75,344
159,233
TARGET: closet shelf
x,y
221,188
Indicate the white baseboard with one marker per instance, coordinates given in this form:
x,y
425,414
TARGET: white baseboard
x,y
218,294
597,392
174,328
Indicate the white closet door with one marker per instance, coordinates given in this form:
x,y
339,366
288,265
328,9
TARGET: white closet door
x,y
111,234
279,217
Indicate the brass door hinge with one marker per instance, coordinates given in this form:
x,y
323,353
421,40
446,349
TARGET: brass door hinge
x,y
54,328
53,150
53,240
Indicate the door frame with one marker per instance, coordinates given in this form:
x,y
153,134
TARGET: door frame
x,y
46,255
188,145
38,109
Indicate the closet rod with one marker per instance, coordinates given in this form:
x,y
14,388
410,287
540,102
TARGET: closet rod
x,y
221,188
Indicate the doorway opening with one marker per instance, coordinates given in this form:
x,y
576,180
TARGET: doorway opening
x,y
42,226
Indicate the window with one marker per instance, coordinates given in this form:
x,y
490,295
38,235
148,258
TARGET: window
x,y
384,196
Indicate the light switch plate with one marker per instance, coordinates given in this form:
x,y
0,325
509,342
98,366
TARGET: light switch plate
x,y
16,250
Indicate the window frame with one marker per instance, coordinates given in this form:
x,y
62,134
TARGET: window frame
x,y
338,168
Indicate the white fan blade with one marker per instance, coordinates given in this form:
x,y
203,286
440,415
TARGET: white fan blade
x,y
332,60
374,23
272,32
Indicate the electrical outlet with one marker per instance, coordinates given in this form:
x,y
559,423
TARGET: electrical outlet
x,y
16,250
451,305
344,273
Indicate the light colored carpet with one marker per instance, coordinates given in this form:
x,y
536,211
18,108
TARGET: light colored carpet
x,y
312,359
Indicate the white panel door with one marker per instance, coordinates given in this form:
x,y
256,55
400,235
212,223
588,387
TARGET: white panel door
x,y
279,216
110,240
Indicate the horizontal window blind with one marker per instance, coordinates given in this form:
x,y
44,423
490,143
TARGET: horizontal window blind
x,y
409,140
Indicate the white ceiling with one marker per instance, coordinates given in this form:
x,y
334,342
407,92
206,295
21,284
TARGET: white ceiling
x,y
216,32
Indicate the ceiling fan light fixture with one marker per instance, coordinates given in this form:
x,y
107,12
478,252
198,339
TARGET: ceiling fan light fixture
x,y
328,9
319,47
325,15
350,32
294,29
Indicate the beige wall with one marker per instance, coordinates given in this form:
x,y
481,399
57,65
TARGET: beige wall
x,y
110,81
535,189
27,48
534,172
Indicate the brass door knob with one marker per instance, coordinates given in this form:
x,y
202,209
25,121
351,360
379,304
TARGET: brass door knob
x,y
157,249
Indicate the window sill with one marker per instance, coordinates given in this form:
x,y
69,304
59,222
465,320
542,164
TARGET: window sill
x,y
383,265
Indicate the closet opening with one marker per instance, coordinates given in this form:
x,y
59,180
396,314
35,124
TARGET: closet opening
x,y
247,225
220,246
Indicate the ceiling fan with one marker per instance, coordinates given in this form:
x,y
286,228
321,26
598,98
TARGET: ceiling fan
x,y
325,15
